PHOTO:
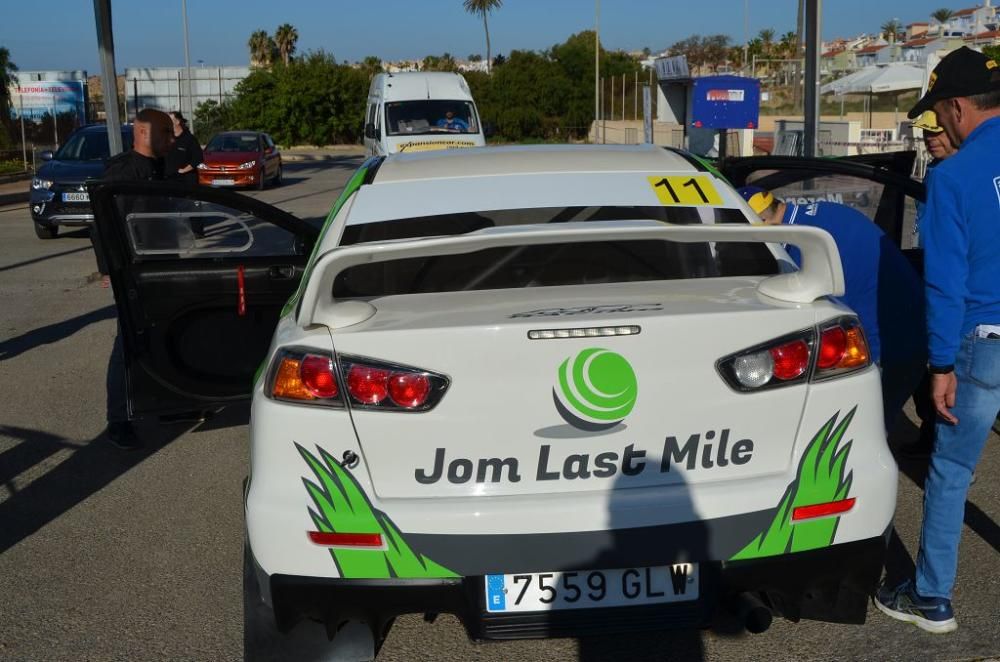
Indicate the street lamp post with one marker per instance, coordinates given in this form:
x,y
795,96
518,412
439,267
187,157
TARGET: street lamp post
x,y
597,65
187,65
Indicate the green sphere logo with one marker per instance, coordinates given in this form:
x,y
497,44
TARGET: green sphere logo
x,y
597,389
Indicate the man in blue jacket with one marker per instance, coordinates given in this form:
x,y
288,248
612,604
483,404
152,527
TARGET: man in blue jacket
x,y
962,274
880,285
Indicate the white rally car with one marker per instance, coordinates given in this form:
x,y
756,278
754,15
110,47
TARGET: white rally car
x,y
552,390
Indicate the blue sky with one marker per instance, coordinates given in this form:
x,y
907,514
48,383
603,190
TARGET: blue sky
x,y
60,34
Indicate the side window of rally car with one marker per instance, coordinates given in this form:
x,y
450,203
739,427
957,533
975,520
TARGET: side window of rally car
x,y
163,227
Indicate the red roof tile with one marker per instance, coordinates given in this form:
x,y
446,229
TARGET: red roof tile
x,y
994,34
964,12
916,43
870,49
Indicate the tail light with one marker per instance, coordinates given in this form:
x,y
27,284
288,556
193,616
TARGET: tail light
x,y
385,386
310,377
835,348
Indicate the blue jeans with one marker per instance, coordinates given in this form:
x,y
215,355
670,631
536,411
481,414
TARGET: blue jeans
x,y
956,452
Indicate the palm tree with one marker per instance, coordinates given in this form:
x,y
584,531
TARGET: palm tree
x,y
766,37
285,37
890,29
7,78
942,15
372,65
483,7
261,51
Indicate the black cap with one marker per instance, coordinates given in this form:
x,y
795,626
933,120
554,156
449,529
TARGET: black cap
x,y
962,73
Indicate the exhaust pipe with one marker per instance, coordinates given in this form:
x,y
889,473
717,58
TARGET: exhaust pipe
x,y
752,613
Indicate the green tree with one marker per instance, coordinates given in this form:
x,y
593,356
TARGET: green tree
x,y
483,7
992,52
439,63
285,38
372,65
262,49
766,37
8,77
942,15
211,117
890,30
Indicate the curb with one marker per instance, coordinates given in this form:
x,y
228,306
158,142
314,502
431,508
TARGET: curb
x,y
13,198
301,158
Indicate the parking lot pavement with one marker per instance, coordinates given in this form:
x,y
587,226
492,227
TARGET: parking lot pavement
x,y
112,555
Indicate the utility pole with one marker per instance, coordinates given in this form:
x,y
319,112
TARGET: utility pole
x,y
109,80
597,65
187,65
811,97
746,33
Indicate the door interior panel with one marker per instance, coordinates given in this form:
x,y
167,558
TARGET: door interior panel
x,y
200,277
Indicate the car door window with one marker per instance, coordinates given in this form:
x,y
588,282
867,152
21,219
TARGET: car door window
x,y
169,228
879,186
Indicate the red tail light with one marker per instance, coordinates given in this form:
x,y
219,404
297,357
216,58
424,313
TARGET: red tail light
x,y
311,377
832,345
367,385
409,390
841,349
317,376
791,360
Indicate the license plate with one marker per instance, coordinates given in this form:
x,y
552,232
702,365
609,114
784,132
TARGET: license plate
x,y
76,197
586,589
223,182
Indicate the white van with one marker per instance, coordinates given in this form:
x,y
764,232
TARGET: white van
x,y
417,111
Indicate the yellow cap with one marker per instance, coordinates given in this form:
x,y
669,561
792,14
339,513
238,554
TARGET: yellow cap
x,y
761,201
928,122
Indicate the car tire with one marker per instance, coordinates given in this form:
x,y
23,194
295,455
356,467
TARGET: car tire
x,y
277,178
43,231
261,182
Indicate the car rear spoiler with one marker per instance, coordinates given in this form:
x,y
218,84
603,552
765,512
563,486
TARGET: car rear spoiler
x,y
821,273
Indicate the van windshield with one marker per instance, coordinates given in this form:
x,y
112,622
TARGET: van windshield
x,y
410,118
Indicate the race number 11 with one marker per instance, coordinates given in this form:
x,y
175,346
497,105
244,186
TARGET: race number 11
x,y
687,191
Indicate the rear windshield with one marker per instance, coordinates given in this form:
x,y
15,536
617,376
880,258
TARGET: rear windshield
x,y
549,265
246,142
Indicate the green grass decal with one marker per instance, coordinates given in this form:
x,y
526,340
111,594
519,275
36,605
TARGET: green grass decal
x,y
820,479
341,506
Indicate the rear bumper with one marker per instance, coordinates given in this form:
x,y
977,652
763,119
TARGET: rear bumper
x,y
831,584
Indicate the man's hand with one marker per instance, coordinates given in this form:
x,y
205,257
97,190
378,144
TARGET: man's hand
x,y
943,393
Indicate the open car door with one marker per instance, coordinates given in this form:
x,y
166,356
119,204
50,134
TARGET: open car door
x,y
878,185
200,276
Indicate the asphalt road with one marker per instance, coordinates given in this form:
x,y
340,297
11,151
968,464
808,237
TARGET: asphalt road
x,y
110,555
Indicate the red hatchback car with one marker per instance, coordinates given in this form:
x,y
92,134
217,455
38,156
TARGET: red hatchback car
x,y
240,158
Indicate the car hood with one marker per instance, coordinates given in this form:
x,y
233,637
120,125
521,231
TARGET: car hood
x,y
230,158
71,172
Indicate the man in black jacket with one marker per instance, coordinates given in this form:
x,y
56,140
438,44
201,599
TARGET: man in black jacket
x,y
153,136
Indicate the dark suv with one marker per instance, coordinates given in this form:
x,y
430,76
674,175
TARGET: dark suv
x,y
58,190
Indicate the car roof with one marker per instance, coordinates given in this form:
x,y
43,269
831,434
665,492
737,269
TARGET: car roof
x,y
239,133
411,86
525,159
102,128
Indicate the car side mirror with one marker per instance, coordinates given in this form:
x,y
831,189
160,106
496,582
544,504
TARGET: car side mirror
x,y
371,131
269,150
46,155
489,130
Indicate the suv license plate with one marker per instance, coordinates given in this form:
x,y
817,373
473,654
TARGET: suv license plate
x,y
76,197
584,589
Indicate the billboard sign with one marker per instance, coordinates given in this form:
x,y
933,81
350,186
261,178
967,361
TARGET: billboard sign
x,y
36,98
725,102
672,68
